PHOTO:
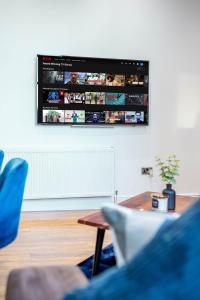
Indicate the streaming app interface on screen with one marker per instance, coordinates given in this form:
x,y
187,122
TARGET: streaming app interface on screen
x,y
79,90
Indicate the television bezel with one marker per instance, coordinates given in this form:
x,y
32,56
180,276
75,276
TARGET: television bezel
x,y
94,124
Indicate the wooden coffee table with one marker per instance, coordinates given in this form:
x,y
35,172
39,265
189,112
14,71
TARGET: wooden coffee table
x,y
140,201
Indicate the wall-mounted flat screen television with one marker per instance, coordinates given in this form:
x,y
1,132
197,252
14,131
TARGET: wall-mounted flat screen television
x,y
92,91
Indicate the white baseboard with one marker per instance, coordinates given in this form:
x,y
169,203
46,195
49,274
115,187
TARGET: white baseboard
x,y
79,203
189,194
65,204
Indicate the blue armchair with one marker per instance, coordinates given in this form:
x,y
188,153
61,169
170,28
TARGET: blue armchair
x,y
12,182
1,158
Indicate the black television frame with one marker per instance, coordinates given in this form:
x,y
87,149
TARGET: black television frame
x,y
74,59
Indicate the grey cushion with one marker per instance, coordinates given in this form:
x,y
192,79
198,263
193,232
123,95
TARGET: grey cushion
x,y
132,229
43,283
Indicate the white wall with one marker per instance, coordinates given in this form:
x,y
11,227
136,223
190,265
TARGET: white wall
x,y
164,32
175,85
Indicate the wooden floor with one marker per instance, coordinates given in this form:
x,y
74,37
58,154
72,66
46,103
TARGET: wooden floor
x,y
48,238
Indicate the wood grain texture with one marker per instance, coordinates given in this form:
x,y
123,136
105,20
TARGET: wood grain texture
x,y
140,201
48,238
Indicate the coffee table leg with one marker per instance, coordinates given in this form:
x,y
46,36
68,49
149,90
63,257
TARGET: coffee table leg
x,y
98,248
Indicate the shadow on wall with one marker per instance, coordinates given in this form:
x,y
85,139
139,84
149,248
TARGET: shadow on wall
x,y
188,104
188,123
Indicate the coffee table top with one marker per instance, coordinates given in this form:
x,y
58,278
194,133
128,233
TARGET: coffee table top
x,y
140,201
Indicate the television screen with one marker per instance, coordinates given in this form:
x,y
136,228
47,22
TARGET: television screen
x,y
92,91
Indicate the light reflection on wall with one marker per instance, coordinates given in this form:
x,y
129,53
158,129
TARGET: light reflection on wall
x,y
188,104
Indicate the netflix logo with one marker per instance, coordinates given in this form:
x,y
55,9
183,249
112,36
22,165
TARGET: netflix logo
x,y
46,58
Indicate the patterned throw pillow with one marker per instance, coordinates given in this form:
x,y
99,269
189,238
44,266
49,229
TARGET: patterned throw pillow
x,y
168,268
132,229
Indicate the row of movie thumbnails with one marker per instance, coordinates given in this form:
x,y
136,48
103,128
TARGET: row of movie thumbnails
x,y
85,78
98,98
105,117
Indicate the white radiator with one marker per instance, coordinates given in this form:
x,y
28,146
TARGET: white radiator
x,y
68,173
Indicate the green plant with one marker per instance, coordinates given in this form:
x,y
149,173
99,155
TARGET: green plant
x,y
168,168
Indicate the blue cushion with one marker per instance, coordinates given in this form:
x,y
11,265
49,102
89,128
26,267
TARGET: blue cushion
x,y
1,158
168,268
12,183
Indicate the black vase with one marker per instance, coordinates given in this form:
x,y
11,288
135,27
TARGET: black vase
x,y
171,194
